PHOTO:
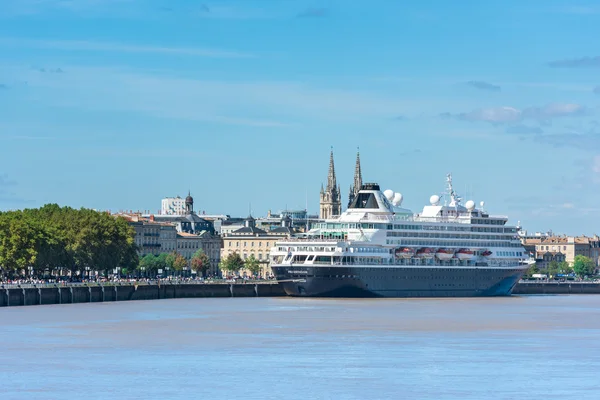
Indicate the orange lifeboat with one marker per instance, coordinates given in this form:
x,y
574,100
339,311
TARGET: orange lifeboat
x,y
444,254
425,252
465,254
405,252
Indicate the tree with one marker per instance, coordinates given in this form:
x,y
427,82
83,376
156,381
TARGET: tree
x,y
200,262
565,268
170,260
553,268
252,265
162,261
55,238
533,269
232,263
149,264
179,262
583,266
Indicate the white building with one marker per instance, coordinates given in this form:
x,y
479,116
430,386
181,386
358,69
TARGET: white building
x,y
172,206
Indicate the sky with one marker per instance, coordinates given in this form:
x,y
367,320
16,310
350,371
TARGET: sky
x,y
115,104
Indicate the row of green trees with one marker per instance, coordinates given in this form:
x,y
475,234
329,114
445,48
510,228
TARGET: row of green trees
x,y
51,239
151,264
233,263
582,266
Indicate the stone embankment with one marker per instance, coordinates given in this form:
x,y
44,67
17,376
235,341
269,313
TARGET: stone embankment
x,y
27,295
557,288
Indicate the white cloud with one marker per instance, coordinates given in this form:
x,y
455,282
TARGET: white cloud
x,y
500,115
83,45
251,103
493,115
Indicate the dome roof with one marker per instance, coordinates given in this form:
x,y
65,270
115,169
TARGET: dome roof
x,y
189,198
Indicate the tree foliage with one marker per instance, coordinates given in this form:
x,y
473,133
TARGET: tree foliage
x,y
553,268
533,269
232,263
52,237
200,262
179,262
565,268
583,266
253,265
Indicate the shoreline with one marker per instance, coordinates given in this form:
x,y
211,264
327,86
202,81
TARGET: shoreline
x,y
45,294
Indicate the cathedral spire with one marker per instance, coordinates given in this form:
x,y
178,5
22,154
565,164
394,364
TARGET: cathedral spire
x,y
357,172
357,183
330,204
331,181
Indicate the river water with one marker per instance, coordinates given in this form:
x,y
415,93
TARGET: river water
x,y
540,347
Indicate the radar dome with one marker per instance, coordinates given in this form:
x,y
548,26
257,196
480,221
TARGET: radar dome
x,y
434,200
397,199
481,204
389,194
470,205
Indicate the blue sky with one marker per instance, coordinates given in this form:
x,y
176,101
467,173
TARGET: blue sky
x,y
114,104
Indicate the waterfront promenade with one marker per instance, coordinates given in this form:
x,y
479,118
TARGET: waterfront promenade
x,y
92,292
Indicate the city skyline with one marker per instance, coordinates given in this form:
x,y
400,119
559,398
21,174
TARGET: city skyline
x,y
127,102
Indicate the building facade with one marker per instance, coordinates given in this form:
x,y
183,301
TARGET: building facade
x,y
154,237
562,248
188,244
250,240
172,206
189,221
330,202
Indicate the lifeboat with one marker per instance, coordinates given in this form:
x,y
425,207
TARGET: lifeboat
x,y
425,252
444,254
405,252
465,254
486,253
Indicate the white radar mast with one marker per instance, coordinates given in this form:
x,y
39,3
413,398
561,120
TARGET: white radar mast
x,y
455,199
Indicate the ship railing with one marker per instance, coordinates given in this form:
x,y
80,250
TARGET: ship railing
x,y
303,240
462,219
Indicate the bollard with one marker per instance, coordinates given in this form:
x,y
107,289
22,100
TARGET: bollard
x,y
59,295
23,291
40,295
256,290
116,293
231,289
90,293
7,298
102,287
71,290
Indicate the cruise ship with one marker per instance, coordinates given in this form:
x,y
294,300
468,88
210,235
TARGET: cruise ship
x,y
378,249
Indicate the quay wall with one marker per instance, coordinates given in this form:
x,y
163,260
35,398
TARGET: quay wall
x,y
56,294
556,288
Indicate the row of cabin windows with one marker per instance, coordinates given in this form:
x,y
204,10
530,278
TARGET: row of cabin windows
x,y
454,243
451,228
449,235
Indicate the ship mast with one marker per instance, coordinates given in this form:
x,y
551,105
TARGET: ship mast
x,y
454,198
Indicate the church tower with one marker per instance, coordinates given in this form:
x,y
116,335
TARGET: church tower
x,y
357,180
189,204
330,204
